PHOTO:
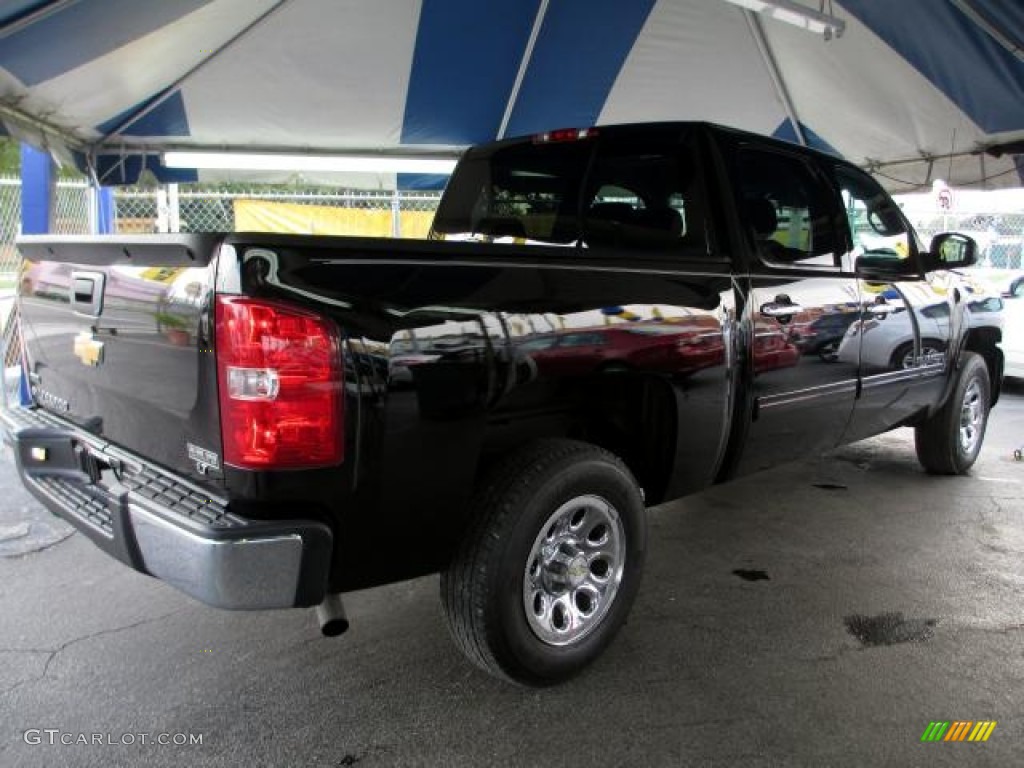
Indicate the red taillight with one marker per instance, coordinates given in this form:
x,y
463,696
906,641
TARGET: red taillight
x,y
281,385
565,134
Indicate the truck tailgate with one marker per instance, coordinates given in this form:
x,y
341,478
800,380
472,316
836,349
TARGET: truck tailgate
x,y
118,339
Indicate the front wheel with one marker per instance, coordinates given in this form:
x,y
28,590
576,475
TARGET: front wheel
x,y
904,358
551,564
948,443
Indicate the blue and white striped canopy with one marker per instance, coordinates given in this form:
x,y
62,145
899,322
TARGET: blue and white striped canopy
x,y
915,90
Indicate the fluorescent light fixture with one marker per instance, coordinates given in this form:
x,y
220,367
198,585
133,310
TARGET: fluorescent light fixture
x,y
796,14
241,161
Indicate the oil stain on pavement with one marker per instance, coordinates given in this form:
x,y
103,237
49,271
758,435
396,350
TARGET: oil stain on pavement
x,y
748,575
889,629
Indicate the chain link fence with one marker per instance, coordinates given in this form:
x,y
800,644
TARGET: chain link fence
x,y
198,208
71,216
10,222
1000,236
72,208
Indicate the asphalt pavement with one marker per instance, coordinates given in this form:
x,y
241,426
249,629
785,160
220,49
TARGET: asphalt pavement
x,y
820,614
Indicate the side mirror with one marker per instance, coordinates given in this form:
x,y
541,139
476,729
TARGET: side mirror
x,y
950,250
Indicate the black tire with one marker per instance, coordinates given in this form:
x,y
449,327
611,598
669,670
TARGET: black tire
x,y
943,447
483,591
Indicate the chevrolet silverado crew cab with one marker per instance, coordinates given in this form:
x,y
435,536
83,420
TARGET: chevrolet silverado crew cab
x,y
601,319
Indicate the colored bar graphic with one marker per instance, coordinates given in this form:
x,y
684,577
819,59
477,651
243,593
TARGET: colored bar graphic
x,y
958,730
990,726
935,730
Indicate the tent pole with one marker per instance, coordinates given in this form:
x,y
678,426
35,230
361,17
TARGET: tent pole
x,y
45,128
26,20
1002,36
176,86
524,63
773,72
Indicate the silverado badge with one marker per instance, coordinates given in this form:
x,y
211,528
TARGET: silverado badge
x,y
88,350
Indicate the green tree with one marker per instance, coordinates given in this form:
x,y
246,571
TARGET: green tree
x,y
10,157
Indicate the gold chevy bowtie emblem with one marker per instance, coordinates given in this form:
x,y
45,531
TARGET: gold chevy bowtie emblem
x,y
88,350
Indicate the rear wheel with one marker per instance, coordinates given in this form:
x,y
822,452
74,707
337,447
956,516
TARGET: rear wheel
x,y
948,443
551,565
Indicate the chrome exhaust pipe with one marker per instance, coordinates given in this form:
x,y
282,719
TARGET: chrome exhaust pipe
x,y
331,615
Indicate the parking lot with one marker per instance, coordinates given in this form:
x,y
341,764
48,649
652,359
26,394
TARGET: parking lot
x,y
820,614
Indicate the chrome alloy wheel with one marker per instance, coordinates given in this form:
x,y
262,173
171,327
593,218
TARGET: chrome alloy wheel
x,y
972,414
574,570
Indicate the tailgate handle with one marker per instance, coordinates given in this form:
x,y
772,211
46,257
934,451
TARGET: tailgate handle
x,y
87,293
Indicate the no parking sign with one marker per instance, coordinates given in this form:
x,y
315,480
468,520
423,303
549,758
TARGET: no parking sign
x,y
945,201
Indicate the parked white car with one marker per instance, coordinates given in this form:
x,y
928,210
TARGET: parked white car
x,y
1013,337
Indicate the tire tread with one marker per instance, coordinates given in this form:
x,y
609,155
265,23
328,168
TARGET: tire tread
x,y
494,507
935,439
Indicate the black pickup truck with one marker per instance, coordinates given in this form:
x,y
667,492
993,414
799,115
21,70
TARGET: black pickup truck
x,y
602,319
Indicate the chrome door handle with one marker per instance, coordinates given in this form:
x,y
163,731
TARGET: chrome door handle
x,y
881,309
86,293
780,310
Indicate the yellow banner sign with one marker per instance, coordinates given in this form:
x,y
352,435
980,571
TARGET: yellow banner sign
x,y
299,219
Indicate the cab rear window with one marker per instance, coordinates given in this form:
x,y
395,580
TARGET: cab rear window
x,y
522,191
616,191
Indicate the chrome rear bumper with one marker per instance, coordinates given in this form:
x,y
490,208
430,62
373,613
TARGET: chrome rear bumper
x,y
164,525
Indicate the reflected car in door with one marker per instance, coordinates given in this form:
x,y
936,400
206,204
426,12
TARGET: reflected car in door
x,y
666,347
885,334
772,348
823,335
